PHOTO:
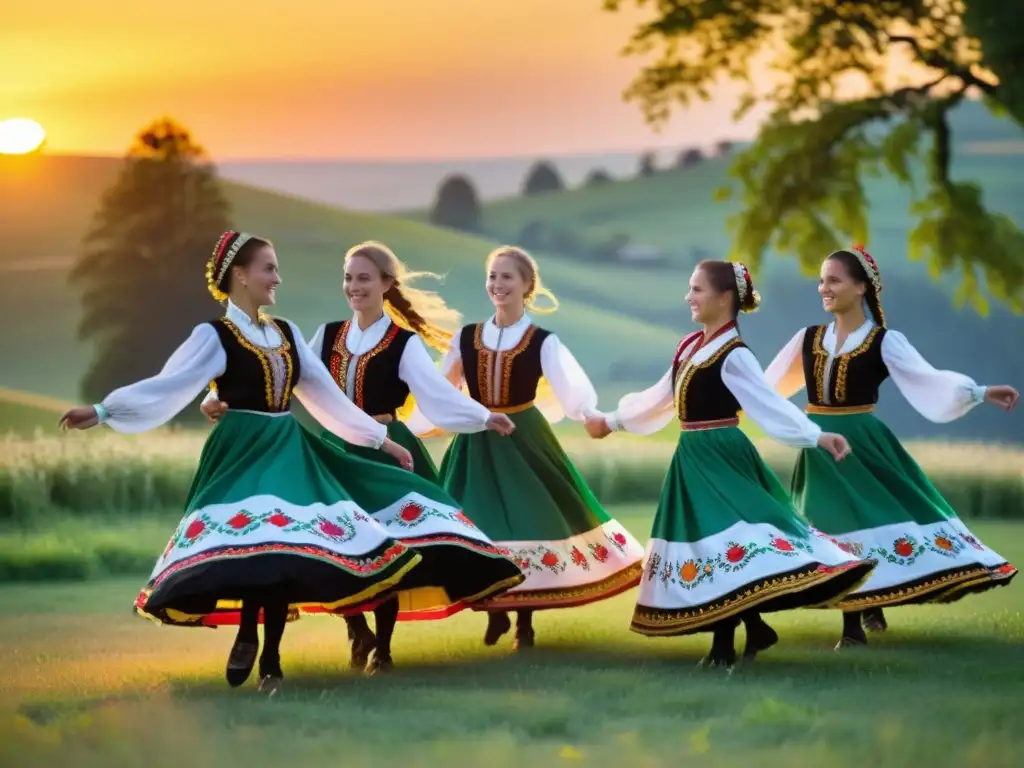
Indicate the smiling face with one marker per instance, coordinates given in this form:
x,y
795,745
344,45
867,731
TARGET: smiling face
x,y
365,285
259,278
707,306
507,286
839,291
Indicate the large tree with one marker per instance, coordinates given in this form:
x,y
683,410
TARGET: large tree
x,y
141,269
801,182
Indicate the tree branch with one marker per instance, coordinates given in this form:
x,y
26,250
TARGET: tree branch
x,y
936,60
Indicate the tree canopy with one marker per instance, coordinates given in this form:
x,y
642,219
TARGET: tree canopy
x,y
140,273
802,181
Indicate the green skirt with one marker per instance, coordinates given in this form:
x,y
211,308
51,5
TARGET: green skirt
x,y
422,462
726,539
273,506
878,503
526,495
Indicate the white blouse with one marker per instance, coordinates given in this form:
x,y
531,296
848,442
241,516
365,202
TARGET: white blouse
x,y
574,393
647,412
441,403
939,396
149,403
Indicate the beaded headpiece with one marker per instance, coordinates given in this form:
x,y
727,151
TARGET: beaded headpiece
x,y
745,286
227,248
870,267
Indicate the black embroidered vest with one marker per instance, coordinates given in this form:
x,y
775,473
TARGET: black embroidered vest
x,y
852,380
502,380
700,393
256,378
378,390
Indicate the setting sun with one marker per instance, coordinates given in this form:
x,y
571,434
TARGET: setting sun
x,y
19,136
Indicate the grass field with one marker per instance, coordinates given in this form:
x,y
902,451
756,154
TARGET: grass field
x,y
88,684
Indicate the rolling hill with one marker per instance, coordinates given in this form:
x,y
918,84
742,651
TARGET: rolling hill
x,y
621,320
54,197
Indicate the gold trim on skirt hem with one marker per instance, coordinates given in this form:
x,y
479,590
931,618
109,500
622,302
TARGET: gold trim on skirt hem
x,y
899,595
181,618
566,597
656,622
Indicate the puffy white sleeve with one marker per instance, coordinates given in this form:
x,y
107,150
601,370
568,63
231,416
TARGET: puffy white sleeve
x,y
574,393
779,418
316,344
939,396
646,412
785,374
451,369
326,403
149,403
441,403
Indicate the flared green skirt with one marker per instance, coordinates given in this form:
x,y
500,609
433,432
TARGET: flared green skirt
x,y
274,507
726,540
524,493
422,462
879,503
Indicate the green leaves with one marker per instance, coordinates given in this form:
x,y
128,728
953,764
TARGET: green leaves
x,y
801,183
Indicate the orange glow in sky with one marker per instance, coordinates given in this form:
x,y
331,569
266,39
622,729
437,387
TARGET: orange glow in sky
x,y
337,78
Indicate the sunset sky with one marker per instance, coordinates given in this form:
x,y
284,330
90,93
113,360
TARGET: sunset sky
x,y
336,78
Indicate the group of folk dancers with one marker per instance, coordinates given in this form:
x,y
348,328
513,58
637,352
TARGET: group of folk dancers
x,y
282,522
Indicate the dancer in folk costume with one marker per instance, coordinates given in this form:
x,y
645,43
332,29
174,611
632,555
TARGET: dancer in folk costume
x,y
726,544
268,531
379,360
523,490
879,503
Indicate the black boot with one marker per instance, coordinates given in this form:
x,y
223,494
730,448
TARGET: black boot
x,y
723,645
386,616
760,637
853,632
361,640
524,630
242,657
275,617
874,620
498,624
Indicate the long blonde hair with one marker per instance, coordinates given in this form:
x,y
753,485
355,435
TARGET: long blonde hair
x,y
419,311
530,273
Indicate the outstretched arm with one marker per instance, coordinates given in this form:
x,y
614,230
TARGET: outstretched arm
x,y
152,402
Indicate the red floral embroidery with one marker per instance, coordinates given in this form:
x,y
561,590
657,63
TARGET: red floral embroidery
x,y
578,557
600,553
903,548
239,521
782,545
410,512
943,543
331,529
278,519
735,553
550,559
620,539
195,529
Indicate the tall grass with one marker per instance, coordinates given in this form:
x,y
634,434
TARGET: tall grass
x,y
46,478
